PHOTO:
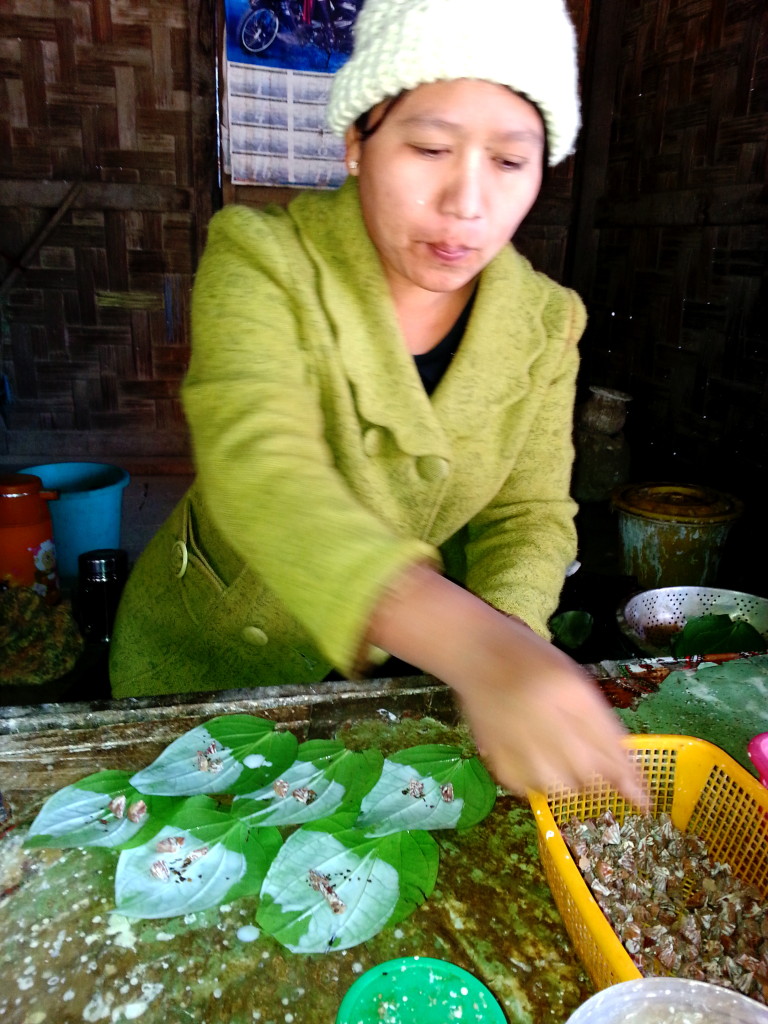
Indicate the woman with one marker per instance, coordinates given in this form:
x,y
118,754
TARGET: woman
x,y
380,397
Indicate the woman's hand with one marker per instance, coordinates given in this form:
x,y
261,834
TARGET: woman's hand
x,y
536,716
544,721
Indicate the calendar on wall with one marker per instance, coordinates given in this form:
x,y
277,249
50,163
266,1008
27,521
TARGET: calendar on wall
x,y
280,57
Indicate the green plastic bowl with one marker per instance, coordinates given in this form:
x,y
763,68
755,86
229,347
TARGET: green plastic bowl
x,y
419,990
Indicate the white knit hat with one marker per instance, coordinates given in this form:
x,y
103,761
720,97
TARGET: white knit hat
x,y
528,45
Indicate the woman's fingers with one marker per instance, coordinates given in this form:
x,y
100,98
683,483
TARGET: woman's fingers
x,y
563,736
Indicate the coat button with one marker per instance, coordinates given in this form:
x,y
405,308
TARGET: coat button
x,y
432,468
254,636
179,559
373,441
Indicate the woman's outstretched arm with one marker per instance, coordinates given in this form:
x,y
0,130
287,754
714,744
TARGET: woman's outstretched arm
x,y
536,715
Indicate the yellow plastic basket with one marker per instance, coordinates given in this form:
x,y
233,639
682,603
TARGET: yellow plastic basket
x,y
703,790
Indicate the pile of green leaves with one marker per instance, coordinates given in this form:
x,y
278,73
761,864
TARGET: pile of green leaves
x,y
334,842
716,634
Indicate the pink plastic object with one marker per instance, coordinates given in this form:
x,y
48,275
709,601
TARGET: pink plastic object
x,y
757,748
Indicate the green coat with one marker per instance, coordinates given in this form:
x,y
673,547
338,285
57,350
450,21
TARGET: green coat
x,y
324,469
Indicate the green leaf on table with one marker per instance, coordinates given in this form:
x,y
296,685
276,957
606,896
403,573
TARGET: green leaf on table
x,y
331,886
103,809
716,634
427,787
220,756
324,777
202,857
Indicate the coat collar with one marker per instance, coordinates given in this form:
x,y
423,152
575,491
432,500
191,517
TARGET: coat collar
x,y
490,369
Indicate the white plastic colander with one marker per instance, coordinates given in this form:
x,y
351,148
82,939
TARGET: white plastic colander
x,y
649,619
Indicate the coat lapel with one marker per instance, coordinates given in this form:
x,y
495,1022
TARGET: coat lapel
x,y
490,369
384,379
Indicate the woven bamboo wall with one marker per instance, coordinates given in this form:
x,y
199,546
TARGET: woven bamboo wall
x,y
678,293
100,143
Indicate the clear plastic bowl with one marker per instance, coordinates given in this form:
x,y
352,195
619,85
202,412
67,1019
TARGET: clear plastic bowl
x,y
669,1001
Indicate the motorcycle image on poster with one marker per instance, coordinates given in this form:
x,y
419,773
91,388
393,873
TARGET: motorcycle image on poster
x,y
299,34
281,56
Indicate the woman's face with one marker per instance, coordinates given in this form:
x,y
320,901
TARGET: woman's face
x,y
446,180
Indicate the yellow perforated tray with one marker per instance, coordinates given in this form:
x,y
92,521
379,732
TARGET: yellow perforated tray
x,y
703,790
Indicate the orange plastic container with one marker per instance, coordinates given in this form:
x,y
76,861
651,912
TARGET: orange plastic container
x,y
703,790
27,551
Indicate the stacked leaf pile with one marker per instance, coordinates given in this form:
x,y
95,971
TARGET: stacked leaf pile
x,y
334,842
716,634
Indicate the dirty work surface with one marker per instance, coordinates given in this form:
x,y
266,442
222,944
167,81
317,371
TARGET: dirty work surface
x,y
68,957
726,704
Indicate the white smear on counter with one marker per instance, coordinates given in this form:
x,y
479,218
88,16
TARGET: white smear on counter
x,y
134,1009
97,1009
120,927
150,990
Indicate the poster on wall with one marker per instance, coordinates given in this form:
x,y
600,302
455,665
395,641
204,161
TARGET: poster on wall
x,y
280,56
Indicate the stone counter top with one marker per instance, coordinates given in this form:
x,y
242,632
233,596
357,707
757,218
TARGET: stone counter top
x,y
67,956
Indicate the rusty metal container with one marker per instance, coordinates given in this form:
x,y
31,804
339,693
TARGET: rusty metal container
x,y
673,534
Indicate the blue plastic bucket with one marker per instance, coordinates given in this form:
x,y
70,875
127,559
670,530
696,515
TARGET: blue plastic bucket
x,y
87,513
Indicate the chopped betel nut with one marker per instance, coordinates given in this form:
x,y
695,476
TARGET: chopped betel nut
x,y
677,912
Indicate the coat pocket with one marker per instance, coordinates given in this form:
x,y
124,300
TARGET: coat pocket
x,y
200,584
235,613
194,618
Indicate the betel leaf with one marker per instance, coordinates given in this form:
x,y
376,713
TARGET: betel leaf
x,y
571,628
202,857
427,787
716,634
331,886
218,757
324,777
102,809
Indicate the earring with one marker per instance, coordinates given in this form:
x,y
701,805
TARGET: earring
x,y
353,166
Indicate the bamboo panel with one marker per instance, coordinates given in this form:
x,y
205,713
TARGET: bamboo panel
x,y
678,300
99,229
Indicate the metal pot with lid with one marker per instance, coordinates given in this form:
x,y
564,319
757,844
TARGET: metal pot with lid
x,y
672,534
